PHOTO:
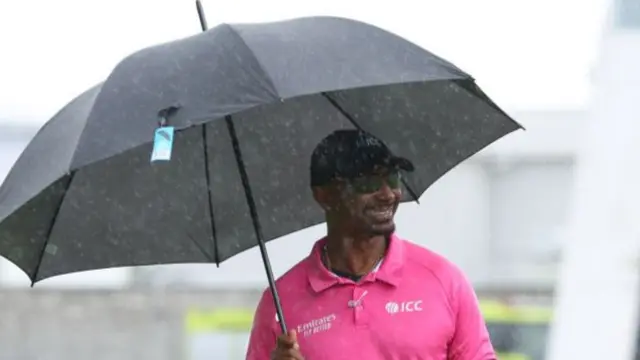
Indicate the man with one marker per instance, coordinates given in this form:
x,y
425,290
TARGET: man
x,y
364,293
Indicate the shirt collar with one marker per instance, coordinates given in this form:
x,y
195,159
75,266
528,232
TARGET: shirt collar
x,y
389,270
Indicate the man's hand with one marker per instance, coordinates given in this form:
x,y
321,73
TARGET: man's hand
x,y
287,347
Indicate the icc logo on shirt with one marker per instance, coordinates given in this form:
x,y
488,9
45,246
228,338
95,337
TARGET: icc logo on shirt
x,y
407,306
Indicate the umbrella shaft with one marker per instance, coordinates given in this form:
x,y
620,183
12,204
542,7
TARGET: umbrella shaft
x,y
201,16
256,221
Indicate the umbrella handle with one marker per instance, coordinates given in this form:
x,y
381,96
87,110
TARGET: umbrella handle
x,y
256,222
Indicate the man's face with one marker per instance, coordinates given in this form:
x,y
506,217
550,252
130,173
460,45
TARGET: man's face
x,y
369,203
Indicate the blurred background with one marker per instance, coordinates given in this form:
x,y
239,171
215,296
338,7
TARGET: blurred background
x,y
544,222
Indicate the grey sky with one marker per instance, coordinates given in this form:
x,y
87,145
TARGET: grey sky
x,y
526,54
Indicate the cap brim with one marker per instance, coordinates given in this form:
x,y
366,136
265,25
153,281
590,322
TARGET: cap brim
x,y
402,164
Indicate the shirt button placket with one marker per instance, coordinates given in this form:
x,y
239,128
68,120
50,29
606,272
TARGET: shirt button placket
x,y
359,308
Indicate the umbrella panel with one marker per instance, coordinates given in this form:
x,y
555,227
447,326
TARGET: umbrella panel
x,y
125,211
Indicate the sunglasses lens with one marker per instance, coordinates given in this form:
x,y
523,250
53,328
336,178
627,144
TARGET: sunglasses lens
x,y
371,184
393,180
366,185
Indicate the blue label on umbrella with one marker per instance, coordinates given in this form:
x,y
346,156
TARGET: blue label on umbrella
x,y
162,144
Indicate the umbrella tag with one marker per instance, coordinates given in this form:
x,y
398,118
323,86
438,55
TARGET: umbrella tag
x,y
162,144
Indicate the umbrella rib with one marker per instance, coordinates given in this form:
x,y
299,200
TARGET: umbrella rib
x,y
353,121
67,186
473,89
207,177
201,249
273,90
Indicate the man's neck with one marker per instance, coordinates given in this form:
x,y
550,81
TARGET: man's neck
x,y
357,256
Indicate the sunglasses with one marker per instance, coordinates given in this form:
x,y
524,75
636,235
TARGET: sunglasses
x,y
372,183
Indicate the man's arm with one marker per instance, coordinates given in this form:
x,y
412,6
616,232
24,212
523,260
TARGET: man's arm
x,y
471,338
263,335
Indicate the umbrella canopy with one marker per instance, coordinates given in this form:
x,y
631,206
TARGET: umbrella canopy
x,y
248,103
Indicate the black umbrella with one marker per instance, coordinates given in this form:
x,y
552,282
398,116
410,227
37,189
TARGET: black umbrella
x,y
245,106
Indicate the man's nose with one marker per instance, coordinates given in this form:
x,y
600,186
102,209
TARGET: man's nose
x,y
385,191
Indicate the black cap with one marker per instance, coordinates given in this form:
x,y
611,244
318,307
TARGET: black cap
x,y
348,154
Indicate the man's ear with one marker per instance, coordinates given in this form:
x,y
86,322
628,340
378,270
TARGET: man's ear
x,y
323,196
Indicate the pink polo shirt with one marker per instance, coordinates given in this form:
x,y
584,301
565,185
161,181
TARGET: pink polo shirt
x,y
416,306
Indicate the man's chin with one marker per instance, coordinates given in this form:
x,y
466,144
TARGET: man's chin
x,y
383,229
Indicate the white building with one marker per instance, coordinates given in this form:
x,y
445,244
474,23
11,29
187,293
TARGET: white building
x,y
596,314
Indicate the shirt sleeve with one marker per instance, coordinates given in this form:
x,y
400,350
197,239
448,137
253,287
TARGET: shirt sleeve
x,y
263,332
471,338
